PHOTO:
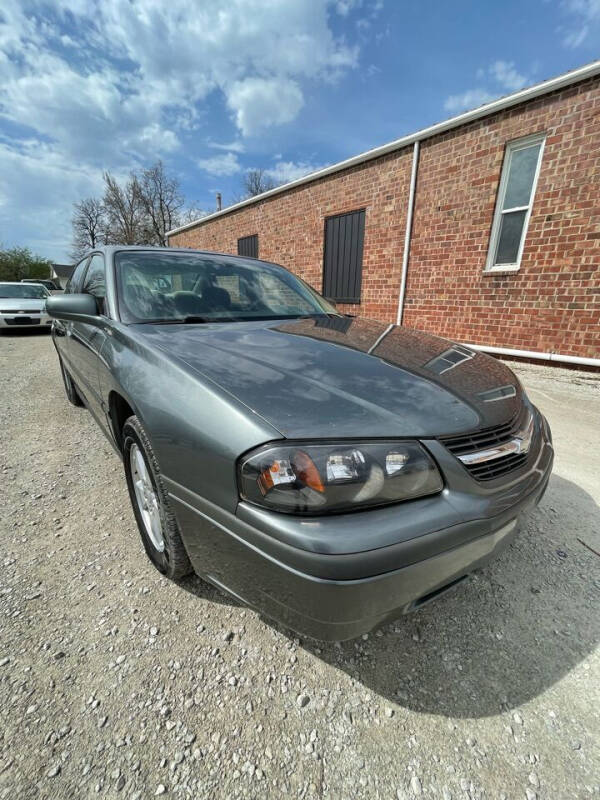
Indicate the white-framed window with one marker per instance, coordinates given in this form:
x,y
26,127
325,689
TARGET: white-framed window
x,y
520,172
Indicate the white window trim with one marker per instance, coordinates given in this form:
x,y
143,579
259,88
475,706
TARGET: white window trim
x,y
511,147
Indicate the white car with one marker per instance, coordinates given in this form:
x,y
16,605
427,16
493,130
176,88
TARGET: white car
x,y
23,305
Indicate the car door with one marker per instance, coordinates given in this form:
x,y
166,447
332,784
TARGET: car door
x,y
61,329
85,341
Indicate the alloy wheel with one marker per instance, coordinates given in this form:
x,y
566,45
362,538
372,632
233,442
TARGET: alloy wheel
x,y
146,498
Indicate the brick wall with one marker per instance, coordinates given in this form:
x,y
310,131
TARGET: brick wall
x,y
551,304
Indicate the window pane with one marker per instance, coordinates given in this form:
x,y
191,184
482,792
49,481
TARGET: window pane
x,y
509,240
95,281
520,178
75,279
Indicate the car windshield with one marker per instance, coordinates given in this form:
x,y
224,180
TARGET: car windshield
x,y
196,287
27,291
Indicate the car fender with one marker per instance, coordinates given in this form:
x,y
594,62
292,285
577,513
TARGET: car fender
x,y
197,430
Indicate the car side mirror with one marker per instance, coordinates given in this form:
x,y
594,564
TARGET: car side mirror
x,y
74,308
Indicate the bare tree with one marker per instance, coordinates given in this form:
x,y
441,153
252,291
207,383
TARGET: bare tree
x,y
138,211
256,181
161,202
191,214
124,212
89,226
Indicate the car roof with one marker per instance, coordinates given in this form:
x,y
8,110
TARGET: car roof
x,y
113,248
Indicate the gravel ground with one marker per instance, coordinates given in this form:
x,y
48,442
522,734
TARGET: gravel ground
x,y
115,682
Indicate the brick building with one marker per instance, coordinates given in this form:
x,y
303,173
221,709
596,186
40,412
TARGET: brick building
x,y
484,228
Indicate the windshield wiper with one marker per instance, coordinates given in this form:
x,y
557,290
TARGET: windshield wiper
x,y
195,319
178,321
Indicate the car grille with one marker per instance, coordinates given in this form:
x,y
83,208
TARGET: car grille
x,y
489,438
494,469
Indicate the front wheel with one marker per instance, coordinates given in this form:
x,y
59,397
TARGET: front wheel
x,y
157,524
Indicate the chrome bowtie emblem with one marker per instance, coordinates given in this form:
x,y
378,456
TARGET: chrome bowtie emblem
x,y
517,445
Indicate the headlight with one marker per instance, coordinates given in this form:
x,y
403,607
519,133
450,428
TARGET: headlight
x,y
304,478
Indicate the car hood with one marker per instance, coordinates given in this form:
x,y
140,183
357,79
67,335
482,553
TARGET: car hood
x,y
21,304
346,377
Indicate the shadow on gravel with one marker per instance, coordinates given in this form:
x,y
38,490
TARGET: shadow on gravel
x,y
503,637
206,591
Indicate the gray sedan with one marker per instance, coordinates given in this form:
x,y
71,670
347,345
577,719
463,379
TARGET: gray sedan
x,y
333,472
23,305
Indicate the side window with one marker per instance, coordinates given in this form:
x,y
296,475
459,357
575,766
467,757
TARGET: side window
x,y
515,200
74,283
95,281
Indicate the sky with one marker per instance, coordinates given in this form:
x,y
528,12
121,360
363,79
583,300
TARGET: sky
x,y
216,88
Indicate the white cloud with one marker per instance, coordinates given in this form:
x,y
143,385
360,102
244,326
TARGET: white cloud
x,y
586,18
469,99
576,37
110,84
344,7
286,171
243,48
259,103
501,77
507,76
369,7
173,66
226,164
372,70
36,192
234,147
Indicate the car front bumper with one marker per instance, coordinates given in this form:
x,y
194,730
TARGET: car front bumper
x,y
337,577
28,319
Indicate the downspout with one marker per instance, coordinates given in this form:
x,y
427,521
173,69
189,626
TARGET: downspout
x,y
502,351
408,231
554,357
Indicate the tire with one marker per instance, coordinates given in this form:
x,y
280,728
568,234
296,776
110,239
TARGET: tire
x,y
155,519
70,388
